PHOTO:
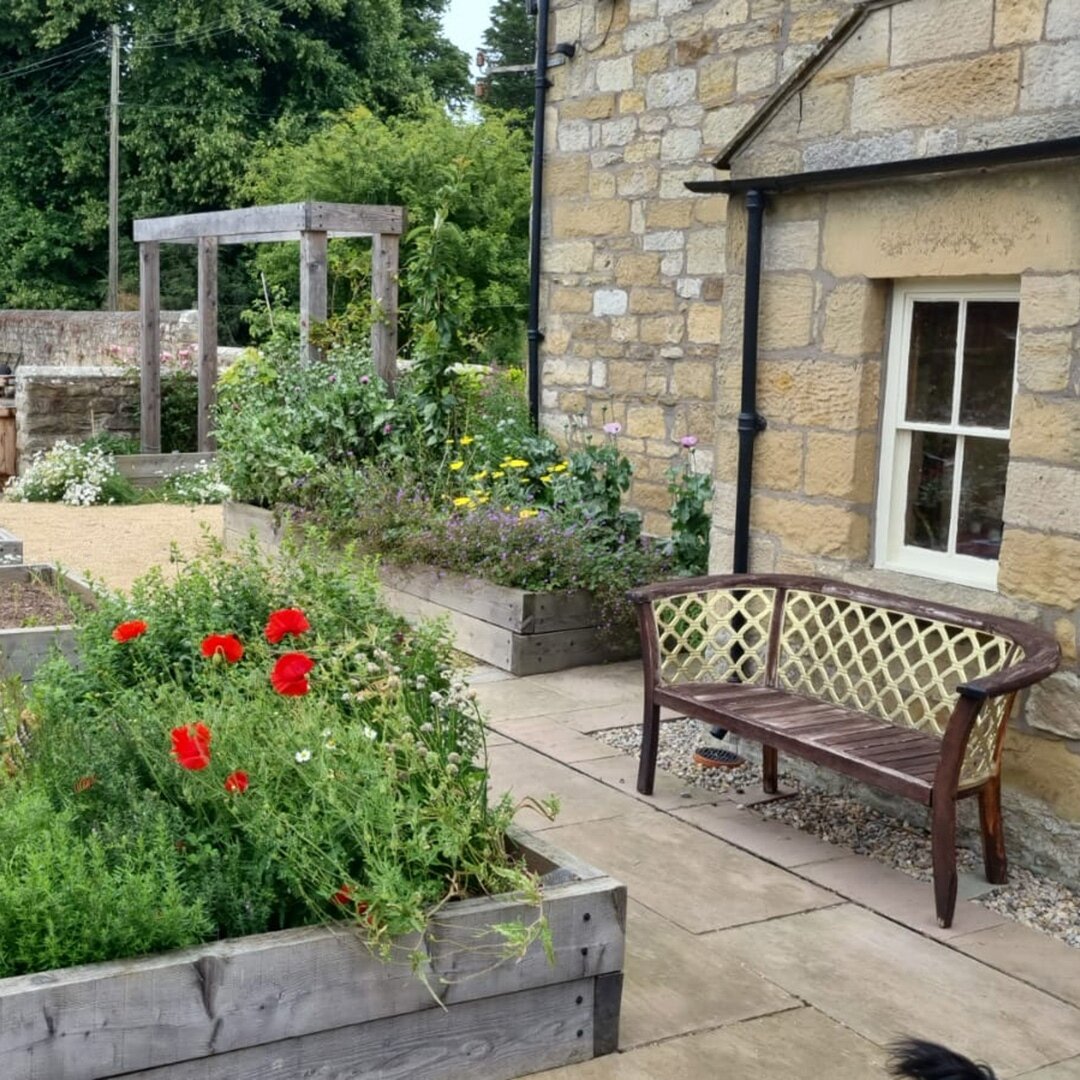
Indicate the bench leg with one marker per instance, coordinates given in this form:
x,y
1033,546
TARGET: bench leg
x,y
944,854
993,833
650,743
770,783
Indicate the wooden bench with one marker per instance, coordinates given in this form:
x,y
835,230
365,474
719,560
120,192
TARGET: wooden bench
x,y
911,697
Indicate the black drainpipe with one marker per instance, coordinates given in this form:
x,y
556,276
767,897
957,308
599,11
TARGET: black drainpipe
x,y
533,333
750,420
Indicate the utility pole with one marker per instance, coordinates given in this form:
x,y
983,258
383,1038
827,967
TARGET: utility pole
x,y
113,301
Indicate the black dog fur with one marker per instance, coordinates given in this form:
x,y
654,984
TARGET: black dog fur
x,y
921,1060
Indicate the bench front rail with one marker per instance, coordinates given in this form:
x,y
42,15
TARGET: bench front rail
x,y
908,696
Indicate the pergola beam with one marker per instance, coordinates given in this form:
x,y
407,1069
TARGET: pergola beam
x,y
150,348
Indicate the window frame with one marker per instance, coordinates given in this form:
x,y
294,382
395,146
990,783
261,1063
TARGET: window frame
x,y
891,553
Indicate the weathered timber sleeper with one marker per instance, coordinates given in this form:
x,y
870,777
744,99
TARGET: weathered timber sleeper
x,y
911,697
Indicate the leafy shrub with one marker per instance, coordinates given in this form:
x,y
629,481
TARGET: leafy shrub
x,y
202,485
690,520
73,475
179,412
352,788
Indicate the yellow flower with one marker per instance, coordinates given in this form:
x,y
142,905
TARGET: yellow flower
x,y
463,500
455,465
546,479
481,499
498,474
479,475
523,514
561,467
466,439
516,463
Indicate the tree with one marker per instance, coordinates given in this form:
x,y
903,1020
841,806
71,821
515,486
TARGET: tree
x,y
511,39
202,82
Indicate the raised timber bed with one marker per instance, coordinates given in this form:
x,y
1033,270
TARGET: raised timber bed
x,y
525,633
23,648
149,470
316,1003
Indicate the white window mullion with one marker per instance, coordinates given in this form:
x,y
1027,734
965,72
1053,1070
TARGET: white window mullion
x,y
954,508
958,362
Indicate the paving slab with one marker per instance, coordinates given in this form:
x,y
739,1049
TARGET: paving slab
x,y
1063,1070
897,896
676,982
1036,958
602,684
526,773
798,1045
548,736
885,981
604,717
669,792
484,673
771,840
692,879
508,699
493,738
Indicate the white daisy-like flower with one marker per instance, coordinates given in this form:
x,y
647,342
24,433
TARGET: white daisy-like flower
x,y
369,733
327,732
302,756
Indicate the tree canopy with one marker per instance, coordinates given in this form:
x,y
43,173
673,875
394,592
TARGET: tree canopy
x,y
511,39
202,81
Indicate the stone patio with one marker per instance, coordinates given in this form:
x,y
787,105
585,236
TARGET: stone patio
x,y
755,951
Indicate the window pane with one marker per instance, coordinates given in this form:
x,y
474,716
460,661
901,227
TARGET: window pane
x,y
930,482
982,497
986,387
932,361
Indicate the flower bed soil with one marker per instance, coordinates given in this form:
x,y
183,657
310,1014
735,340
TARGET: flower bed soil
x,y
31,603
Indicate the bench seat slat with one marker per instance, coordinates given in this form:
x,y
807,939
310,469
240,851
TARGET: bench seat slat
x,y
803,729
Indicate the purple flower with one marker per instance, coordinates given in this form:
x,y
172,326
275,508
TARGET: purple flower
x,y
689,442
365,379
387,428
613,428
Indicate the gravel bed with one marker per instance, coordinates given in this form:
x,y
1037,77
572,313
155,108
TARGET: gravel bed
x,y
1028,898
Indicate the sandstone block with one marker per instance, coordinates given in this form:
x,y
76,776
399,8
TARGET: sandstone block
x,y
569,301
867,50
644,301
854,319
596,107
931,29
574,135
644,35
755,71
680,144
812,528
637,270
638,180
1051,76
693,379
778,460
1049,300
618,132
662,329
1018,20
669,240
704,251
688,288
626,377
1065,632
651,497
691,49
937,93
1037,567
631,101
727,13
565,371
710,209
787,306
716,82
791,245
812,26
1054,705
572,402
669,214
566,176
721,125
704,323
614,75
568,258
647,62
1046,428
602,185
646,421
840,465
671,265
598,374
1062,19
666,89
1043,497
1044,360
609,302
815,393
594,218
647,149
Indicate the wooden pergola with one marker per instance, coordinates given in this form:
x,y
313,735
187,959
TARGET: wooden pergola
x,y
313,224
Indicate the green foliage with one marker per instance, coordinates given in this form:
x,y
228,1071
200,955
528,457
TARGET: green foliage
x,y
466,189
201,83
76,475
690,521
363,798
511,39
179,412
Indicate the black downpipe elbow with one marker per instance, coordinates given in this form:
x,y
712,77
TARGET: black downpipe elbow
x,y
533,330
750,420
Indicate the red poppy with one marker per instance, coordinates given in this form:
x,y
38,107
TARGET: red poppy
x,y
290,673
191,746
84,783
236,783
226,645
128,630
344,896
286,621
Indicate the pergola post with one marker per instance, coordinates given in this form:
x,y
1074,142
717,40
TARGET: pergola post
x,y
312,290
385,253
150,347
208,338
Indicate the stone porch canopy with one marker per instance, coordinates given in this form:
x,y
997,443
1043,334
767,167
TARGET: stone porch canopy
x,y
312,224
900,89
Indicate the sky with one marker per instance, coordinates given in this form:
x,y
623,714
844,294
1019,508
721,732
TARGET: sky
x,y
465,22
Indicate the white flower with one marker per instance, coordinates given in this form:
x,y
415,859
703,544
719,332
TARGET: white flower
x,y
302,756
327,732
369,733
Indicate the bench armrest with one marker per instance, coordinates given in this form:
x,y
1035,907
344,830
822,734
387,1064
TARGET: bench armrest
x,y
646,594
1044,661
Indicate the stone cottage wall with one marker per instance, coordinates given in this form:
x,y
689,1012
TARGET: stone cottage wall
x,y
633,263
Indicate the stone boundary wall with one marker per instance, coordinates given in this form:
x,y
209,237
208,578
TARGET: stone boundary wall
x,y
54,403
79,338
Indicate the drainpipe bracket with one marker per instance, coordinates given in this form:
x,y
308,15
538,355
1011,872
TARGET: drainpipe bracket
x,y
752,422
534,334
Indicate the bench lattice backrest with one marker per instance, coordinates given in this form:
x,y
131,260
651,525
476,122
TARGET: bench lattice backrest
x,y
897,666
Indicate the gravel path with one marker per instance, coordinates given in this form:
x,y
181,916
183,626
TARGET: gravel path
x,y
1029,898
114,544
